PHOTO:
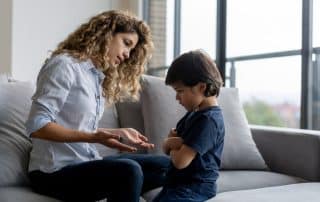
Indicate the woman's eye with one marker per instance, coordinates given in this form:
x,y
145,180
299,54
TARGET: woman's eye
x,y
126,42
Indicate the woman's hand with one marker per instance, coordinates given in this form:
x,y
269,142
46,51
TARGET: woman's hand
x,y
112,140
130,136
172,143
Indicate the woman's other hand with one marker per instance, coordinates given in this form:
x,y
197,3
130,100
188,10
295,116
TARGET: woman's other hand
x,y
112,140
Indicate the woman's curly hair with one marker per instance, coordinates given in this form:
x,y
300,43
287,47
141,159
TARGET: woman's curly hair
x,y
90,41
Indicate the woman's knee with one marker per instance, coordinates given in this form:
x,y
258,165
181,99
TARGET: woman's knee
x,y
131,169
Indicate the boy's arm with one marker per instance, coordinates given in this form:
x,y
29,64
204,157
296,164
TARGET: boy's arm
x,y
173,133
182,157
171,143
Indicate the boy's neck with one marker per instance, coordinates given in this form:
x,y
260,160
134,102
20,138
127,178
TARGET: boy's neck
x,y
208,102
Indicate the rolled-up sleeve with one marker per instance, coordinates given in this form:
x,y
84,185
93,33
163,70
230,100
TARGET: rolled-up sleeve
x,y
53,85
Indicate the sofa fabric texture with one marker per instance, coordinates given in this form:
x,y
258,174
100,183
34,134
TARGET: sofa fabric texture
x,y
244,175
14,144
304,192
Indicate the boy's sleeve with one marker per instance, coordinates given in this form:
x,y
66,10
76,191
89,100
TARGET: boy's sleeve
x,y
202,136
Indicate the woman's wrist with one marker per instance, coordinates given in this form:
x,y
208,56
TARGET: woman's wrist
x,y
87,136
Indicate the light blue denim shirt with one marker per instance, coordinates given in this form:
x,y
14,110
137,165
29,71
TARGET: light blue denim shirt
x,y
68,93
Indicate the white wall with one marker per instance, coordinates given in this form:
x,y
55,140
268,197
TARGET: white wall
x,y
39,25
30,29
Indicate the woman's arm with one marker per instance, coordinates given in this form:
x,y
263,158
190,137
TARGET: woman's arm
x,y
55,132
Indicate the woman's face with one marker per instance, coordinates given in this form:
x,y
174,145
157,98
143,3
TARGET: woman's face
x,y
120,47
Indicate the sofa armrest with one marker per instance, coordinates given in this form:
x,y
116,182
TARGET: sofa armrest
x,y
293,152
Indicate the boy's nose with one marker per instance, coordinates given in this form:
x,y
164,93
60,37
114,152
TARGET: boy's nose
x,y
177,97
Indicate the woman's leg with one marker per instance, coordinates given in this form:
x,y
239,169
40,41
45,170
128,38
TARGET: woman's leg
x,y
154,168
115,179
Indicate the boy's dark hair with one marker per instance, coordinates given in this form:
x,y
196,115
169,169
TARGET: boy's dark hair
x,y
193,67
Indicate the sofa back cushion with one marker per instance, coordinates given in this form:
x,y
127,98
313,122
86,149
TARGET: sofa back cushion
x,y
130,116
161,112
109,119
15,102
240,150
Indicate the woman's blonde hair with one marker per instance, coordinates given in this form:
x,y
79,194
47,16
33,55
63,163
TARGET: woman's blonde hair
x,y
91,40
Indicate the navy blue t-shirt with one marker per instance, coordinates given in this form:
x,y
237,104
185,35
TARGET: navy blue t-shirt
x,y
203,131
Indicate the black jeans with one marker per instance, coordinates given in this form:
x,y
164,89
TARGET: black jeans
x,y
120,178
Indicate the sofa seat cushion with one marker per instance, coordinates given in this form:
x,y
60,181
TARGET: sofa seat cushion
x,y
243,180
287,193
25,194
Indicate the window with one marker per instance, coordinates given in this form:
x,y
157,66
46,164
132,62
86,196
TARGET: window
x,y
160,16
263,26
198,22
316,66
316,23
270,90
263,56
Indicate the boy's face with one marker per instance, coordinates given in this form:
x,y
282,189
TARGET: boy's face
x,y
189,97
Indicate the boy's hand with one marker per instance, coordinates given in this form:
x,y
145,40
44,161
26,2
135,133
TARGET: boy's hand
x,y
173,133
171,143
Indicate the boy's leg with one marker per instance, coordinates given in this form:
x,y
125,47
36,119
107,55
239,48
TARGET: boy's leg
x,y
114,179
154,168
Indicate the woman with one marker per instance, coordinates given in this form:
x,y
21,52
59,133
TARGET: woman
x,y
102,60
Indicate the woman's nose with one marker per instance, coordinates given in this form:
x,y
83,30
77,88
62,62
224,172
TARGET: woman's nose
x,y
126,54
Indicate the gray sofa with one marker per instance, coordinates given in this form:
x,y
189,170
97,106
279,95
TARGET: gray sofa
x,y
263,164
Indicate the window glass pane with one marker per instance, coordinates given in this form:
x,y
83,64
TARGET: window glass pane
x,y
263,26
316,23
316,92
270,90
198,26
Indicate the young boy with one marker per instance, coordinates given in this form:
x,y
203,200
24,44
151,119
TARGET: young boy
x,y
195,146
